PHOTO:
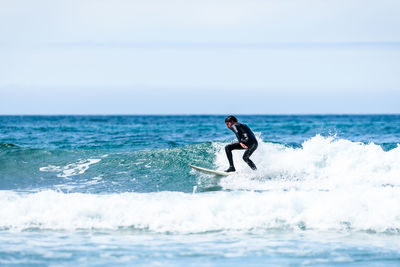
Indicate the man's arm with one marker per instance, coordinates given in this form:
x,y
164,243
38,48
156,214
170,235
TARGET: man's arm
x,y
236,131
240,134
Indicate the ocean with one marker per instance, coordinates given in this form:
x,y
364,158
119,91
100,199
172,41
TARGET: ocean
x,y
118,191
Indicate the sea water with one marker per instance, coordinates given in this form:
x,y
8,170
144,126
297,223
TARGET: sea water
x,y
118,191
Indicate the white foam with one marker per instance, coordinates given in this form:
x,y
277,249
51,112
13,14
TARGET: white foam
x,y
374,209
50,168
71,169
321,163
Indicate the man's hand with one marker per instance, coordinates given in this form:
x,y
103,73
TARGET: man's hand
x,y
243,145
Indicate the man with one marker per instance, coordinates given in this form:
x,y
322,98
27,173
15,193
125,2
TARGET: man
x,y
246,140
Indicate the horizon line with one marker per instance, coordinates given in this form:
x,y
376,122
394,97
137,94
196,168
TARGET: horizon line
x,y
205,114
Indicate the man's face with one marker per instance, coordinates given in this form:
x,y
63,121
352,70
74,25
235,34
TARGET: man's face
x,y
229,124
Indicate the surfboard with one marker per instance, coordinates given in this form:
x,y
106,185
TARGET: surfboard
x,y
209,171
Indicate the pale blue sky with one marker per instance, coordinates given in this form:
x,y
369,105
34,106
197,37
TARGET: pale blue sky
x,y
184,57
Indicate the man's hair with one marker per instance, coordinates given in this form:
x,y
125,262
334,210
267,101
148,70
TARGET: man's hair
x,y
231,119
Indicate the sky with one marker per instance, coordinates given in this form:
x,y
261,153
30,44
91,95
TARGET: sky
x,y
199,57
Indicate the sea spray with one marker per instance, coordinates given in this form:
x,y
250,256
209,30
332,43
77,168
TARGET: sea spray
x,y
320,163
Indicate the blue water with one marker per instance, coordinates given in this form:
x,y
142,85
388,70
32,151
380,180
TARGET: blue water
x,y
117,190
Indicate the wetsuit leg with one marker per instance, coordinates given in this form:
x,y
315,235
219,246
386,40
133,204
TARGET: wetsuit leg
x,y
247,154
228,150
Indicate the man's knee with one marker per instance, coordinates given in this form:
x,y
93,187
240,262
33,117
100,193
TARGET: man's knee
x,y
227,148
230,147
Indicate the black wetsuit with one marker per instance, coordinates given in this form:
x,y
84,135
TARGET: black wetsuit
x,y
245,136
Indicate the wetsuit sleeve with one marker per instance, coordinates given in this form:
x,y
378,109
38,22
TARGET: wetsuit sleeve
x,y
246,134
241,135
245,138
236,131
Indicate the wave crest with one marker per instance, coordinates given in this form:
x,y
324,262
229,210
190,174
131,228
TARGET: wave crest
x,y
321,163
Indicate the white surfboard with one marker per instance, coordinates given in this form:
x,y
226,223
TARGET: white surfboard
x,y
209,171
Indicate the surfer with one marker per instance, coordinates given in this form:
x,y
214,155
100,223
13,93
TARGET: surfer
x,y
246,140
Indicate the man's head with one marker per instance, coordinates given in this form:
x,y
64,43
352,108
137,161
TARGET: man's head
x,y
230,120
